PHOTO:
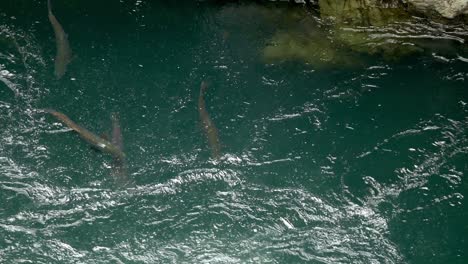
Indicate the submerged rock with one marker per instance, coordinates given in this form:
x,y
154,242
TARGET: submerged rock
x,y
318,51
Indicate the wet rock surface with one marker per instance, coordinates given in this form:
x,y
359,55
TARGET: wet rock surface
x,y
446,8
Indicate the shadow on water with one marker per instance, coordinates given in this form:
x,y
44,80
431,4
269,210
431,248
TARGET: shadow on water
x,y
324,160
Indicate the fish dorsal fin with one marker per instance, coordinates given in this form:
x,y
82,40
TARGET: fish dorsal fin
x,y
105,136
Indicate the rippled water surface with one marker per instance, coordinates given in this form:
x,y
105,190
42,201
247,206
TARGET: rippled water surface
x,y
361,158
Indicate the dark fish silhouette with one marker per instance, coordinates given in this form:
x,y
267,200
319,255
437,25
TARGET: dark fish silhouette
x,y
208,126
95,141
119,167
63,56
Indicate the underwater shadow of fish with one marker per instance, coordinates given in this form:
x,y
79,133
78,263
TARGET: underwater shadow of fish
x,y
209,127
63,55
94,140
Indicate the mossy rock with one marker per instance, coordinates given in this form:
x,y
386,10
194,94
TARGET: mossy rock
x,y
362,12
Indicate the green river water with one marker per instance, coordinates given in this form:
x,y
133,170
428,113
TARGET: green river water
x,y
333,163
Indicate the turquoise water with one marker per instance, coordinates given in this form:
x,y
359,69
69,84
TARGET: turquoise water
x,y
320,164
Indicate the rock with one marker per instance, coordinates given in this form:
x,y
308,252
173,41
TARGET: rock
x,y
446,8
348,32
362,12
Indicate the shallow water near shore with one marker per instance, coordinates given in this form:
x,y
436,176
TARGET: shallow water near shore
x,y
362,160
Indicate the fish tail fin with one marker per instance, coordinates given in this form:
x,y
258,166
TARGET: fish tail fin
x,y
105,136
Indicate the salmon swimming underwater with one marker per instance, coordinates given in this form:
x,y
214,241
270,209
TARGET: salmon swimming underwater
x,y
95,141
63,55
209,127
